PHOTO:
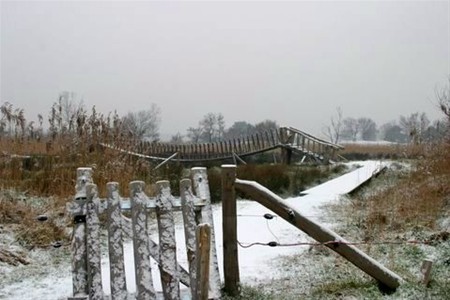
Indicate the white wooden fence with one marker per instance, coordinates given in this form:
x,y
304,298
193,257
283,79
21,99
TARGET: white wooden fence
x,y
88,209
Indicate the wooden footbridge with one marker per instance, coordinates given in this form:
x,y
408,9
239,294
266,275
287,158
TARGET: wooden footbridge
x,y
288,139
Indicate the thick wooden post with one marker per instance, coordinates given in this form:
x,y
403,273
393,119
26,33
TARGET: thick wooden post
x,y
170,278
115,243
187,205
79,251
229,227
142,266
94,267
203,244
201,187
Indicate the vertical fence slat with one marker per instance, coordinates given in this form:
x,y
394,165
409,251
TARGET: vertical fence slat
x,y
201,188
229,228
115,243
187,205
167,245
144,283
94,267
203,251
79,252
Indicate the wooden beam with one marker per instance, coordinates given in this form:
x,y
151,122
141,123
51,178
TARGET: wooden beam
x,y
166,161
321,234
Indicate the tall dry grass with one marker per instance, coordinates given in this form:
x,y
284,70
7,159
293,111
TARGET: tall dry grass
x,y
419,199
354,151
44,166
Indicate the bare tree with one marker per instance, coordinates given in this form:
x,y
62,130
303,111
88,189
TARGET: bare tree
x,y
144,124
350,129
415,126
177,139
220,126
238,129
69,107
211,128
266,125
368,129
392,132
194,134
333,130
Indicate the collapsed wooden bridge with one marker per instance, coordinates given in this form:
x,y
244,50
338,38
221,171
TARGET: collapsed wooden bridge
x,y
290,140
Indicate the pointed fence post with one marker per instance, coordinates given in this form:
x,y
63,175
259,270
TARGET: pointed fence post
x,y
170,278
115,243
93,244
229,219
144,282
79,251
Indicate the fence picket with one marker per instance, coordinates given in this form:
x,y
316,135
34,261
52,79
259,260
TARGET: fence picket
x,y
115,244
144,282
94,267
79,251
167,246
187,204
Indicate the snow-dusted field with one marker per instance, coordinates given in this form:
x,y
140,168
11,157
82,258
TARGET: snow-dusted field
x,y
257,264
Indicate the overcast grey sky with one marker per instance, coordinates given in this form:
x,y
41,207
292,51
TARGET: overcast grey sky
x,y
293,62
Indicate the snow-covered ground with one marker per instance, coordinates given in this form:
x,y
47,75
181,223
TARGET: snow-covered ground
x,y
256,263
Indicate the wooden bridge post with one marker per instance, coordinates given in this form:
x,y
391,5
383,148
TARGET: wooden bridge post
x,y
286,153
229,228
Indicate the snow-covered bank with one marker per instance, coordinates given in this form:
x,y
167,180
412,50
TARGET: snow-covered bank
x,y
255,262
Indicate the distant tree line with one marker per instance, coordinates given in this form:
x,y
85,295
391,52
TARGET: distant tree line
x,y
68,117
211,128
415,128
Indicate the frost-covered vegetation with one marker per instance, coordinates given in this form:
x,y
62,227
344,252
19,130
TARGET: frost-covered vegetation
x,y
408,202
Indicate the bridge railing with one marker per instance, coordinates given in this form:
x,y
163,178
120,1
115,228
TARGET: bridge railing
x,y
288,138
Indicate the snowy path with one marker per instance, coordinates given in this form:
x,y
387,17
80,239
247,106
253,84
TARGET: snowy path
x,y
255,262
